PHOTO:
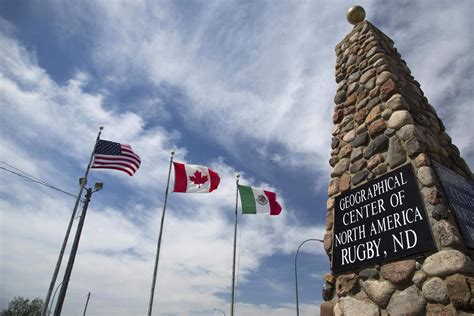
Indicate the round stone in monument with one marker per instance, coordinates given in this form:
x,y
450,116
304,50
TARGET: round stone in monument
x,y
407,302
352,306
435,290
379,292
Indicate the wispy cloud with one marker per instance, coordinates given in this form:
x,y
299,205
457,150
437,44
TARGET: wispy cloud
x,y
118,240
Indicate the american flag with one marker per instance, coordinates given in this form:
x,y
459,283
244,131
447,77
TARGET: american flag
x,y
110,155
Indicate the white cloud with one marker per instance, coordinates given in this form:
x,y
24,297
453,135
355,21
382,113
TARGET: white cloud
x,y
117,254
271,80
268,85
117,249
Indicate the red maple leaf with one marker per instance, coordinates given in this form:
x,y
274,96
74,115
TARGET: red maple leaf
x,y
198,178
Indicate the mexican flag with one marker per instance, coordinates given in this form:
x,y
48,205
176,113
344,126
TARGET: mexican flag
x,y
194,178
258,201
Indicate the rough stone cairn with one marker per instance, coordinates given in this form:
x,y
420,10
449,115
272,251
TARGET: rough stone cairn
x,y
382,120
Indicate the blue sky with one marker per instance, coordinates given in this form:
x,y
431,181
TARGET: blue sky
x,y
242,86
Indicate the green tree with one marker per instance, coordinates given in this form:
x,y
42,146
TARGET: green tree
x,y
20,306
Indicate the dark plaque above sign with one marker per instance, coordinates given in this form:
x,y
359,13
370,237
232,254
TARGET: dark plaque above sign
x,y
381,220
460,193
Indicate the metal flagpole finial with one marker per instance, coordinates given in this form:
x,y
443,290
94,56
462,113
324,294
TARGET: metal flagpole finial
x,y
237,175
101,127
172,153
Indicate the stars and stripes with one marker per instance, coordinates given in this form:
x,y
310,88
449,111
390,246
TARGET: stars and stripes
x,y
111,155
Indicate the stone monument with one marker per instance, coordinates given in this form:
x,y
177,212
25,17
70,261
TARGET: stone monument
x,y
400,213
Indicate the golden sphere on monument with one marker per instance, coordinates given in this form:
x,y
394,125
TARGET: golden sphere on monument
x,y
355,14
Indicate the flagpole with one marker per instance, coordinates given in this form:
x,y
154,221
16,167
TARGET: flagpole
x,y
73,215
235,244
155,269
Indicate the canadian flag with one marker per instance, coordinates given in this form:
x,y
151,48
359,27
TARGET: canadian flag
x,y
194,178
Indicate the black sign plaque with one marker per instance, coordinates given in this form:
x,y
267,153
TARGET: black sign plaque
x,y
460,193
381,220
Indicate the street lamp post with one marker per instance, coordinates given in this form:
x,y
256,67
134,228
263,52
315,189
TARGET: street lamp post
x,y
220,310
296,272
72,256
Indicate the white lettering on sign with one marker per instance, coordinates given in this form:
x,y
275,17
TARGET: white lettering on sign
x,y
470,231
381,220
395,220
464,214
373,191
362,212
360,252
405,240
453,178
461,197
350,235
